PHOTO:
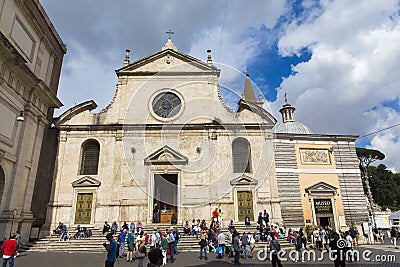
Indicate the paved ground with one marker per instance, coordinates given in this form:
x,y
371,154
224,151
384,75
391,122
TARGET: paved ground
x,y
54,259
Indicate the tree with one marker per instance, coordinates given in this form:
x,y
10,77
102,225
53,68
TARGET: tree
x,y
385,186
367,156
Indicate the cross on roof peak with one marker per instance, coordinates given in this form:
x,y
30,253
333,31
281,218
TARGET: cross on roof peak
x,y
169,33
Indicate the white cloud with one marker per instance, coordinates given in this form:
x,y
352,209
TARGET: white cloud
x,y
80,78
388,144
106,29
354,65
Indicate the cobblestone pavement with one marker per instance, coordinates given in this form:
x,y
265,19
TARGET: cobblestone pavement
x,y
55,259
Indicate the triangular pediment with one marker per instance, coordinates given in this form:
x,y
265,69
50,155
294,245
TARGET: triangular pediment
x,y
166,156
243,180
167,62
321,188
86,182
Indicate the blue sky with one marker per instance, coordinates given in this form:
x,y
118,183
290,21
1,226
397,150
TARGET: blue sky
x,y
337,60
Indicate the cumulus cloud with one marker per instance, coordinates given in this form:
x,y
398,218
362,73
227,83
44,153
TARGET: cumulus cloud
x,y
353,69
103,31
343,88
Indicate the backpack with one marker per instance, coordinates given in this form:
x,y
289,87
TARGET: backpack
x,y
203,243
177,236
352,233
130,238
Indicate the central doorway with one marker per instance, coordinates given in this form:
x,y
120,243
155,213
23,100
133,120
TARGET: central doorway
x,y
166,195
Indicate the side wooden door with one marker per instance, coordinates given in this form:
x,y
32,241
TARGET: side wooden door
x,y
245,205
83,211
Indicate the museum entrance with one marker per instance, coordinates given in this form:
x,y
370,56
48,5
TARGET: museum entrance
x,y
325,221
166,196
323,212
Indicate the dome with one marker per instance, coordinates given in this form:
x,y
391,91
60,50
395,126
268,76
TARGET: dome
x,y
289,125
292,127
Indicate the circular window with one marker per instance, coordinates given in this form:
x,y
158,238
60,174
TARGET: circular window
x,y
166,105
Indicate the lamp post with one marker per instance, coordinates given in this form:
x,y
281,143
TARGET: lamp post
x,y
12,222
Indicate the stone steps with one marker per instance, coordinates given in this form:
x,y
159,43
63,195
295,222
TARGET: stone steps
x,y
94,244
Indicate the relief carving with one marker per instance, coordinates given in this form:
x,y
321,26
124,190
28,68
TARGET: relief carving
x,y
315,156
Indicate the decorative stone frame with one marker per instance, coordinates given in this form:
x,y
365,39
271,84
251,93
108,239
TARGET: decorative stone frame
x,y
161,91
326,191
86,185
315,156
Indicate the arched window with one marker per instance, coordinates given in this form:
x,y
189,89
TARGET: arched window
x,y
90,157
241,155
2,183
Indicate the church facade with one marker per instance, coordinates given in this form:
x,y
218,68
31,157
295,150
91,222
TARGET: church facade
x,y
167,138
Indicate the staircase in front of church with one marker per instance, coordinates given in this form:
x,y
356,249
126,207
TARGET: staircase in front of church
x,y
95,243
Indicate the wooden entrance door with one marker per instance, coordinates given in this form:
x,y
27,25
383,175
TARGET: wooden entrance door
x,y
166,195
83,210
245,205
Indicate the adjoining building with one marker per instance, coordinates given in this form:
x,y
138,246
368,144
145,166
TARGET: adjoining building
x,y
319,180
31,55
167,138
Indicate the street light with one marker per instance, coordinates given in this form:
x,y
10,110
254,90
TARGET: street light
x,y
12,222
21,116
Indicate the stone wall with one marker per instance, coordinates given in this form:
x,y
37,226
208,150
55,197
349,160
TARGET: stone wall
x,y
288,185
354,199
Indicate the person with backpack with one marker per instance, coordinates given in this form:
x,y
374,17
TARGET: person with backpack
x,y
236,247
154,238
338,252
171,243
303,238
177,237
122,240
131,246
164,247
112,250
203,246
275,247
317,239
260,221
141,253
353,235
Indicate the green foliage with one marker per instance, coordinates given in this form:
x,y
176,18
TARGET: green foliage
x,y
309,230
366,156
385,187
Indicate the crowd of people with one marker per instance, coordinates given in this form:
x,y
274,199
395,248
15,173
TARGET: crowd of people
x,y
130,241
380,234
80,232
136,240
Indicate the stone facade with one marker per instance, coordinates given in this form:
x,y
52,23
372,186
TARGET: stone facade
x,y
136,145
319,167
31,54
167,119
